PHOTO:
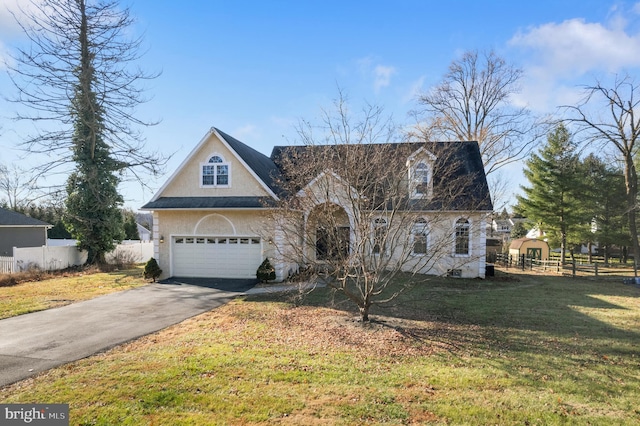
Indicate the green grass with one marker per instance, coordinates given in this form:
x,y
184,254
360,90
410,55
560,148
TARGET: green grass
x,y
541,350
58,290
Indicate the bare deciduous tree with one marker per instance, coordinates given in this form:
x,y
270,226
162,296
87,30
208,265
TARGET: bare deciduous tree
x,y
79,76
473,103
66,38
361,210
17,187
610,116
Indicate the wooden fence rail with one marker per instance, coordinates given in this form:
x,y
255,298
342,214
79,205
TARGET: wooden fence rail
x,y
572,268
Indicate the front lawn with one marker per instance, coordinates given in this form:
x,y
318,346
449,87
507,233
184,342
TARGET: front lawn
x,y
540,350
50,291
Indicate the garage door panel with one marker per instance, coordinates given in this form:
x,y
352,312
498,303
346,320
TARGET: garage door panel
x,y
215,256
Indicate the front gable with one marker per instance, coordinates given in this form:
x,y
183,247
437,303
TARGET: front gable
x,y
214,169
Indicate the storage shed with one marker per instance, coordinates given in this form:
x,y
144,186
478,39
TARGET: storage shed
x,y
530,247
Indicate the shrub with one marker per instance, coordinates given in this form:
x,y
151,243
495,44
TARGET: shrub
x,y
152,270
266,272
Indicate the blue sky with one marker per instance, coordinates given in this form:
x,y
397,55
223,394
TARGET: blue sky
x,y
254,68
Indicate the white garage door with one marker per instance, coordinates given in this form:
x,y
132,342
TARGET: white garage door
x,y
217,257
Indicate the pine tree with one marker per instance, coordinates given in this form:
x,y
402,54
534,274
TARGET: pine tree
x,y
605,197
152,269
130,225
553,197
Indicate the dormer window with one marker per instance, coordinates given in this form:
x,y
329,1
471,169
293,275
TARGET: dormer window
x,y
215,172
420,165
421,178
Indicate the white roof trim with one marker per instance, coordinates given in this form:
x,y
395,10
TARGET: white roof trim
x,y
189,157
422,152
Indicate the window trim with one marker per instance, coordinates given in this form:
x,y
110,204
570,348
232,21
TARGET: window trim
x,y
378,223
420,226
414,184
215,165
462,221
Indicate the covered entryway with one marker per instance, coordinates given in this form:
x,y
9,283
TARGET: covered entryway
x,y
216,256
330,228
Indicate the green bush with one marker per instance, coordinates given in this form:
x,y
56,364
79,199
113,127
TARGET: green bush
x,y
266,272
152,270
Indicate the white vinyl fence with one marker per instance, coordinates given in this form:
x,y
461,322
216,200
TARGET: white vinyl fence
x,y
50,258
6,265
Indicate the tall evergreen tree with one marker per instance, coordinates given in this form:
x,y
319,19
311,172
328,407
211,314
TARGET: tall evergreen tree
x,y
130,225
553,199
605,201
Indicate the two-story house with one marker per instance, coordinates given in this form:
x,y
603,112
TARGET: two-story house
x,y
214,216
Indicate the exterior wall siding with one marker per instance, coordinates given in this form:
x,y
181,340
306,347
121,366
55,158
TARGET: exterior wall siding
x,y
11,237
187,182
210,223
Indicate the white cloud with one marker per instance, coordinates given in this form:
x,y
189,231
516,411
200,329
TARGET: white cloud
x,y
379,73
8,8
382,76
577,46
559,57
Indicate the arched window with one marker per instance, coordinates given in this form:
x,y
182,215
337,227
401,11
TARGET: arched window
x,y
421,179
215,172
462,234
420,237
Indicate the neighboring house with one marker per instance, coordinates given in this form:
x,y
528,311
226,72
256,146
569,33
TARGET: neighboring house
x,y
18,230
502,228
536,232
144,233
209,217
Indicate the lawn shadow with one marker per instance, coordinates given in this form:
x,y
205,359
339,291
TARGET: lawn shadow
x,y
531,313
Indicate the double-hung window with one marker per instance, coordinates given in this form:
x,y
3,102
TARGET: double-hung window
x,y
379,235
420,237
462,233
421,176
215,172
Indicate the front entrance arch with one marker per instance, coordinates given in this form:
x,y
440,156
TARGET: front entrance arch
x,y
329,230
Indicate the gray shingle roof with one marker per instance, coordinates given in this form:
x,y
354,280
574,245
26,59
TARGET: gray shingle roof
x,y
11,218
464,155
208,203
457,161
262,165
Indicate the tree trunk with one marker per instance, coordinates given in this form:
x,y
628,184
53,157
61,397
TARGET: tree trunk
x,y
631,182
364,313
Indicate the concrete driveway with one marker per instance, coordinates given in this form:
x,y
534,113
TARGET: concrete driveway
x,y
42,340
